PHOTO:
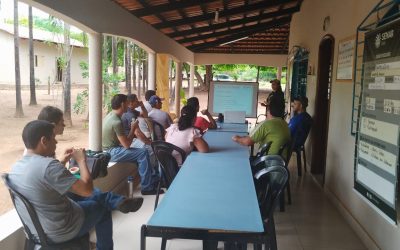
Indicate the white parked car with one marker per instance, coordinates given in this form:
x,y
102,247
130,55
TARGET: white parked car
x,y
222,77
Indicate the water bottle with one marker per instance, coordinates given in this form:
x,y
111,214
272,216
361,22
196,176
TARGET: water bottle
x,y
130,186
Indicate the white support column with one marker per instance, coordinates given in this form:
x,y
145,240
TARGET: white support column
x,y
191,82
151,71
95,91
279,74
178,84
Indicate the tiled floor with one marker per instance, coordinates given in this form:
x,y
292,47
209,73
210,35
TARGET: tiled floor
x,y
310,223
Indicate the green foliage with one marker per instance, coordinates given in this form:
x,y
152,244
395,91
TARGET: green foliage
x,y
183,97
112,90
52,25
85,69
80,104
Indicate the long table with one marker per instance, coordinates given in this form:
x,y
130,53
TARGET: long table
x,y
212,197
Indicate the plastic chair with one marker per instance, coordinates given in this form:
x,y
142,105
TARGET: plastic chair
x,y
168,168
288,148
167,163
40,241
299,147
262,151
158,132
270,182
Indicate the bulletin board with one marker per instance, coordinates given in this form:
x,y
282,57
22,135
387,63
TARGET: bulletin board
x,y
377,138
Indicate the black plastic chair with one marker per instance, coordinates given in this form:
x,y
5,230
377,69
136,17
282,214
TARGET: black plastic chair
x,y
40,241
168,168
167,163
262,151
270,182
158,132
299,147
285,151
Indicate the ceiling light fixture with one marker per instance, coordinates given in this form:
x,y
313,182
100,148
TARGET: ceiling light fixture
x,y
233,41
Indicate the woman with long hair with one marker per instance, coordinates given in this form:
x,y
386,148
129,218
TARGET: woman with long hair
x,y
184,135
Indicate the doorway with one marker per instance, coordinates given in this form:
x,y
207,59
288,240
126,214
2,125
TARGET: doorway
x,y
322,103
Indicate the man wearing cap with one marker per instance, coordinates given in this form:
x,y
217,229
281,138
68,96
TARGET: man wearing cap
x,y
277,94
157,114
301,122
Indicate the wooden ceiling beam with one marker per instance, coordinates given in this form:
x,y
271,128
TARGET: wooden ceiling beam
x,y
234,11
235,22
152,10
227,32
242,32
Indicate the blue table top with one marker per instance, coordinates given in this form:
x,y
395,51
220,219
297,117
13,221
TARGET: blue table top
x,y
230,127
213,191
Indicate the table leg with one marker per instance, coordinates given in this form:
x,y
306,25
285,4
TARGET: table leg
x,y
210,245
143,237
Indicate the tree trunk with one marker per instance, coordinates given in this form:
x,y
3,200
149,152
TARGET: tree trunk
x,y
134,66
67,76
258,74
171,87
198,77
144,71
128,67
31,61
208,76
18,111
104,63
114,51
139,53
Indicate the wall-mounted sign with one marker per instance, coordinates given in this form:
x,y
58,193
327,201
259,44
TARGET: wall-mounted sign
x,y
345,60
377,148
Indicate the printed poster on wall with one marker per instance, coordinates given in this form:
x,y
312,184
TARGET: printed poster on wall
x,y
377,147
345,60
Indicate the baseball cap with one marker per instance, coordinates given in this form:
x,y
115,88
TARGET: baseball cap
x,y
154,100
275,81
303,100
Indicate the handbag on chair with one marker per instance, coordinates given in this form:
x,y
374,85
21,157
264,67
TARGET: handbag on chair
x,y
97,162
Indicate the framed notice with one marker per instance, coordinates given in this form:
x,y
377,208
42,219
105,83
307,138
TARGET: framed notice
x,y
345,62
377,139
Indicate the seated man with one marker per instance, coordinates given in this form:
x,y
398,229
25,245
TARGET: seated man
x,y
202,123
118,144
149,93
300,123
55,116
45,182
144,132
274,129
157,114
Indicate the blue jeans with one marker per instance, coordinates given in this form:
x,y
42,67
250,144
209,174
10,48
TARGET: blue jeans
x,y
148,177
97,209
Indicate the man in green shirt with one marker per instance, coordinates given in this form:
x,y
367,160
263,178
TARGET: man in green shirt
x,y
117,143
274,129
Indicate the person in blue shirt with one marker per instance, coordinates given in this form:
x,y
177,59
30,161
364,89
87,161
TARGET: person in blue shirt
x,y
300,123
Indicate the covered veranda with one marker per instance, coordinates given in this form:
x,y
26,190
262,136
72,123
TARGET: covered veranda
x,y
329,216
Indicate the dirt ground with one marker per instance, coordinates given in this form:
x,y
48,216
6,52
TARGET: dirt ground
x,y
11,145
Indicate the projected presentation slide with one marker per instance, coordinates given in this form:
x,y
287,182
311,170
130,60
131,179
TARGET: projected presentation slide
x,y
233,96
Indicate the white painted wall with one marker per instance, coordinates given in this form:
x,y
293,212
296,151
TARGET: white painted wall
x,y
46,53
306,30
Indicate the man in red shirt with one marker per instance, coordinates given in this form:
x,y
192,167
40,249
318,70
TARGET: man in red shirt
x,y
201,123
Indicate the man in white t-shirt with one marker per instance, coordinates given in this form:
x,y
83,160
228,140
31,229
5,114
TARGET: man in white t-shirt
x,y
149,93
157,114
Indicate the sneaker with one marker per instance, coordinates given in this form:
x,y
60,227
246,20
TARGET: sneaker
x,y
130,205
152,192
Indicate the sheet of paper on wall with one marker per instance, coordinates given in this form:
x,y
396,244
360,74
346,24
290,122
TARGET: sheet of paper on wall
x,y
235,116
